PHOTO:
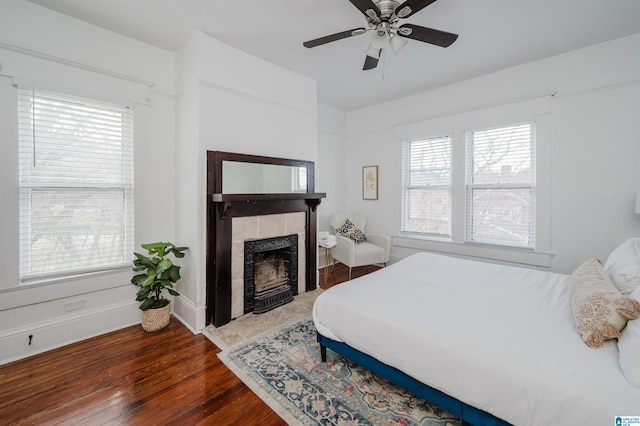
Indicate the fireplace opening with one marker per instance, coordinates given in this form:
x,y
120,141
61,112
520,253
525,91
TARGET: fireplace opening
x,y
270,273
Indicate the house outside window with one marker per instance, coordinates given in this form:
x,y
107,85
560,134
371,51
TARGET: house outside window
x,y
76,184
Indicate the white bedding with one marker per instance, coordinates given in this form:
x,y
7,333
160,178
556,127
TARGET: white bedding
x,y
499,338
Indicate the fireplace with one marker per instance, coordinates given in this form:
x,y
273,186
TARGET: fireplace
x,y
257,213
270,273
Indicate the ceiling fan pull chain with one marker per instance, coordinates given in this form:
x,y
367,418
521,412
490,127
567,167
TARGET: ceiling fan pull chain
x,y
384,63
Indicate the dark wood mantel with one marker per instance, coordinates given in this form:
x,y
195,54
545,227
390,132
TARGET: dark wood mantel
x,y
224,201
221,208
222,198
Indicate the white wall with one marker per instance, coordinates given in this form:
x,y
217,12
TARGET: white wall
x,y
331,168
230,101
595,145
595,173
46,49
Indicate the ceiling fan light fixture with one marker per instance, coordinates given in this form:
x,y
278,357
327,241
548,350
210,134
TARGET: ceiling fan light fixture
x,y
374,52
379,39
397,43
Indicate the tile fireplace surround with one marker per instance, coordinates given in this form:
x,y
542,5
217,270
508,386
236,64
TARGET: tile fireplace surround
x,y
259,227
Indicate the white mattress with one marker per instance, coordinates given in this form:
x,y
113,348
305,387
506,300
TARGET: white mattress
x,y
499,338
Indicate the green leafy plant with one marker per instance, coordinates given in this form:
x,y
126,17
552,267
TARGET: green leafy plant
x,y
160,273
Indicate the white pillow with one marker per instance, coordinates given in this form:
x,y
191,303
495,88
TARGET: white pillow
x,y
629,347
623,265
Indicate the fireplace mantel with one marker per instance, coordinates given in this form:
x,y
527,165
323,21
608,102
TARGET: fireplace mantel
x,y
222,207
224,200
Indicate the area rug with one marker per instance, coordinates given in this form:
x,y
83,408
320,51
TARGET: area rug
x,y
284,369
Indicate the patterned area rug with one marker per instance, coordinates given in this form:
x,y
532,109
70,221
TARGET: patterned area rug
x,y
285,370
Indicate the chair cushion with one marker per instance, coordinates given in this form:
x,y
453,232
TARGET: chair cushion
x,y
351,231
367,254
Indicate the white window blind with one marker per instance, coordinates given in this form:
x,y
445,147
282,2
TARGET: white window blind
x,y
76,184
426,204
299,179
501,186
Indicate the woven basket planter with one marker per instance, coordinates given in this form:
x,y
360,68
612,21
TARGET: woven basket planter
x,y
156,319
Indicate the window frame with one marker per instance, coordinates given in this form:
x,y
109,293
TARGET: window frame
x,y
534,110
407,186
470,186
27,187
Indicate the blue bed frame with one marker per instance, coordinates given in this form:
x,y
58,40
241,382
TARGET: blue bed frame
x,y
464,412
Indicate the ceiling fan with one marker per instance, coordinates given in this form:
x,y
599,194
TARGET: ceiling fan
x,y
382,18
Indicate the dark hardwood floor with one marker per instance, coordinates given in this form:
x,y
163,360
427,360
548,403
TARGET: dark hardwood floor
x,y
129,377
339,273
132,377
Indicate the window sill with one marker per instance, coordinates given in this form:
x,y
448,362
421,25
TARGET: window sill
x,y
481,251
74,275
47,289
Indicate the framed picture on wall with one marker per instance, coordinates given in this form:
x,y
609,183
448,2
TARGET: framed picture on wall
x,y
370,182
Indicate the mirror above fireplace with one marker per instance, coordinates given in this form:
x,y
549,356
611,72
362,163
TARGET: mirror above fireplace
x,y
240,177
254,174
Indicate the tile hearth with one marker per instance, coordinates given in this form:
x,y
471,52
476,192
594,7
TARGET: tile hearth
x,y
251,325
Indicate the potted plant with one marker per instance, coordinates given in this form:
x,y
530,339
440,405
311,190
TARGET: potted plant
x,y
159,273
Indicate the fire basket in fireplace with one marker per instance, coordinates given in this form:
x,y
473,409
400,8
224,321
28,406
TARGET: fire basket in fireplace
x,y
270,273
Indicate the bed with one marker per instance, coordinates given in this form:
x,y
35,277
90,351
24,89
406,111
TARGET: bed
x,y
492,344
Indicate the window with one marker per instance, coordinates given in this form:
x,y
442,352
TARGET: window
x,y
299,180
500,186
76,184
427,186
472,186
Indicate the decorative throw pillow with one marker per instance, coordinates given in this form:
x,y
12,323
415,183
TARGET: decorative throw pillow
x,y
599,309
623,265
629,347
351,231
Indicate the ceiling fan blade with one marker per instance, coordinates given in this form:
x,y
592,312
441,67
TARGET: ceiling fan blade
x,y
333,37
365,5
427,35
410,7
370,62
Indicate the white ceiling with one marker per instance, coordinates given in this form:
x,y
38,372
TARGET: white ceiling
x,y
494,34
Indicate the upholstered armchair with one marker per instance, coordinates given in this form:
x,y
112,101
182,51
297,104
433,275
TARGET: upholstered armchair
x,y
374,249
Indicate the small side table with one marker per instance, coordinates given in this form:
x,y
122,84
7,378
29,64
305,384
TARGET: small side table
x,y
327,258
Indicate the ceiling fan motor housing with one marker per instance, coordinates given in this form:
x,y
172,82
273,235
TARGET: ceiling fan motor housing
x,y
387,10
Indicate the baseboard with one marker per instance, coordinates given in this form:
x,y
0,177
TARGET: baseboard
x,y
192,316
37,338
